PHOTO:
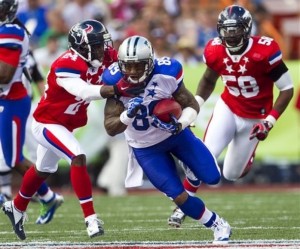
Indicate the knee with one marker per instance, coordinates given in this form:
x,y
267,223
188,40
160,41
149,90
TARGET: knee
x,y
42,174
231,176
79,160
213,179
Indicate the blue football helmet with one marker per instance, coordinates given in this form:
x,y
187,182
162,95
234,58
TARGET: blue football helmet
x,y
89,39
234,27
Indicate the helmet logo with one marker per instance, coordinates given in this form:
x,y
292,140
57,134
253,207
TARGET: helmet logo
x,y
89,28
78,33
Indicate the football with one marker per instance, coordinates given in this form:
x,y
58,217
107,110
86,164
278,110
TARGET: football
x,y
165,108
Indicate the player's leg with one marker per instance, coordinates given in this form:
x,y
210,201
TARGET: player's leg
x,y
191,185
166,179
5,180
64,144
240,153
5,186
32,181
49,200
16,116
204,166
219,132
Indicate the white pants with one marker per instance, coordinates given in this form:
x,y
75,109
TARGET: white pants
x,y
227,129
55,143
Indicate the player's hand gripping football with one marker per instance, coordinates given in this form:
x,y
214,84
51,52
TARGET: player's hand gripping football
x,y
261,130
134,105
123,88
173,127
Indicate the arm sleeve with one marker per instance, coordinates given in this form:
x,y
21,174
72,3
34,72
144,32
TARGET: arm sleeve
x,y
79,88
284,82
188,116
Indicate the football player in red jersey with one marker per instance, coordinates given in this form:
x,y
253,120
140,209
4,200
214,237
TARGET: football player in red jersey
x,y
249,67
73,81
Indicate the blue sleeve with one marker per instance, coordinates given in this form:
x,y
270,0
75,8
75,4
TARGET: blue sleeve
x,y
111,79
173,68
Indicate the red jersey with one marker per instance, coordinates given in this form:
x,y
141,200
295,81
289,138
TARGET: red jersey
x,y
248,88
57,106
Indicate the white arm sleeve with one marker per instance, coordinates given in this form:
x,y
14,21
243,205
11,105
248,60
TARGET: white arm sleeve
x,y
200,100
284,82
188,116
79,88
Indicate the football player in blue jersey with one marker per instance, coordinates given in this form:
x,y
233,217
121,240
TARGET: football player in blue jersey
x,y
152,142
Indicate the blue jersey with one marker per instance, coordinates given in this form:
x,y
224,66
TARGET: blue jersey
x,y
163,82
14,101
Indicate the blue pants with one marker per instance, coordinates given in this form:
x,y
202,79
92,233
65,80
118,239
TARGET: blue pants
x,y
160,168
13,119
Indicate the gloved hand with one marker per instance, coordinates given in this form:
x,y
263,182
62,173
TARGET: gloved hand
x,y
173,127
123,88
133,106
261,130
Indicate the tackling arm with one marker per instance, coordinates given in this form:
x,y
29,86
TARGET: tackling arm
x,y
79,88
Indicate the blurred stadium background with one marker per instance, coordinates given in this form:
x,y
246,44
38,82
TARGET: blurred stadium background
x,y
179,28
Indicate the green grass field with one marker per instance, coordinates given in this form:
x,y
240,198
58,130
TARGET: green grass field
x,y
256,215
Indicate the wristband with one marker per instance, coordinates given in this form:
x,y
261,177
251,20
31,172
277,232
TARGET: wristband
x,y
274,113
273,116
125,119
200,100
188,116
271,119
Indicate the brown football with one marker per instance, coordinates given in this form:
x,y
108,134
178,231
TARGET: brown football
x,y
165,108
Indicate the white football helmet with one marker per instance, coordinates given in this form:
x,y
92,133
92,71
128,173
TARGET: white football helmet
x,y
136,59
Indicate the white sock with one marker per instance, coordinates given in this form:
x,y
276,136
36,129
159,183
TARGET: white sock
x,y
90,217
48,196
190,193
206,216
6,190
